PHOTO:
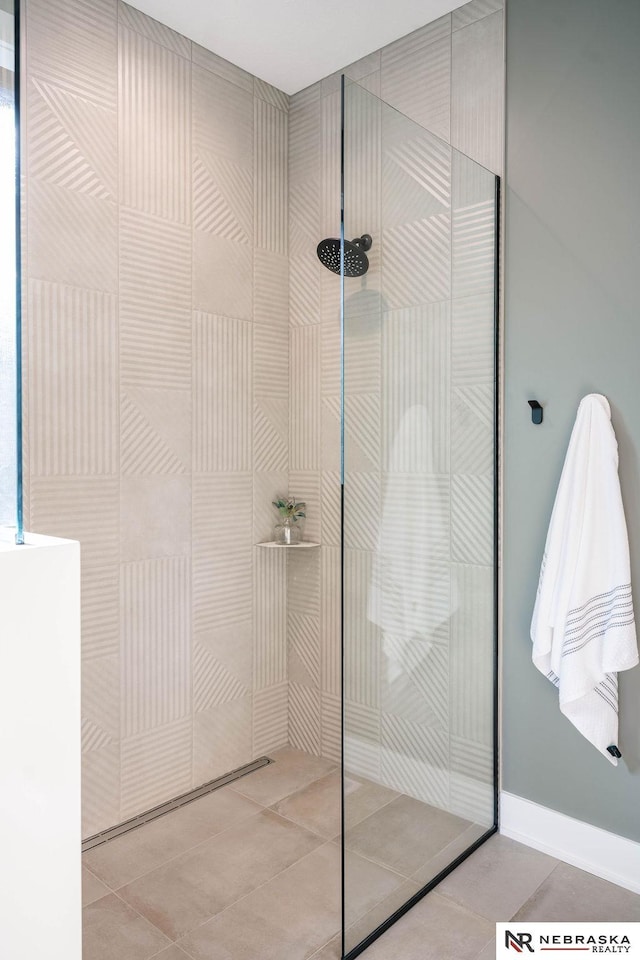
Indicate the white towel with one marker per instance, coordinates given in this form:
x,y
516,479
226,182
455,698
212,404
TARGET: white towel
x,y
409,595
583,627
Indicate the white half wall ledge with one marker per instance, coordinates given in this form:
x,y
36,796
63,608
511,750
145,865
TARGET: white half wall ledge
x,y
40,804
604,854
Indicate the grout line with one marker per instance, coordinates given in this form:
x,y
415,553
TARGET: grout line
x,y
213,836
146,919
164,863
255,889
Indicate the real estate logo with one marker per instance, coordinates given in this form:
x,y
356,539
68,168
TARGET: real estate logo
x,y
518,941
557,940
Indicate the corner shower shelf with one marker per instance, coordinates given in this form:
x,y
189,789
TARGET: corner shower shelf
x,y
288,546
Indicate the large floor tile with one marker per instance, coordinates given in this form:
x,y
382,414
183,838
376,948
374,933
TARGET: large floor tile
x,y
92,888
316,806
498,878
569,894
367,884
360,925
363,797
489,952
291,771
289,918
330,951
404,834
440,931
195,886
123,859
111,930
443,858
172,953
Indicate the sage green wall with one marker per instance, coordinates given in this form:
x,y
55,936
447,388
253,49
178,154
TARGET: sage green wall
x,y
572,256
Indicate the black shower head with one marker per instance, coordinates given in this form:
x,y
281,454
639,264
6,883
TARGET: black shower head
x,y
356,262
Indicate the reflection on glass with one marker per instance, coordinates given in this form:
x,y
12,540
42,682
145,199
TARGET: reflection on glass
x,y
8,413
419,407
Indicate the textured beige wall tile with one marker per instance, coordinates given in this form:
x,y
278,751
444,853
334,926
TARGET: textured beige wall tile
x,y
222,509
156,765
100,789
222,585
72,141
100,703
222,118
304,717
270,618
153,30
221,739
154,127
155,430
270,177
271,288
73,43
155,301
222,276
222,197
330,620
304,436
81,508
477,91
155,517
222,68
72,238
270,719
222,665
416,75
155,643
73,364
100,608
265,91
222,414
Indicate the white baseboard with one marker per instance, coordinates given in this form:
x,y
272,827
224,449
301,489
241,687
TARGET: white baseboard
x,y
597,851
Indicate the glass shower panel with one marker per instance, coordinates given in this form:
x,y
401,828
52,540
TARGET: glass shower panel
x,y
10,454
419,483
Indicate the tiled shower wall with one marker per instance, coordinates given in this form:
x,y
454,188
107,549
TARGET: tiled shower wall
x,y
447,76
156,273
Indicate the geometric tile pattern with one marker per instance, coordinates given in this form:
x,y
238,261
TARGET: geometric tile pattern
x,y
416,75
304,717
73,142
472,11
472,509
73,357
155,643
222,394
477,91
154,120
270,718
473,249
154,30
73,44
171,182
156,765
414,760
155,301
473,341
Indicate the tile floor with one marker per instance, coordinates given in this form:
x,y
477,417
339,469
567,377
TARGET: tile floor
x,y
251,872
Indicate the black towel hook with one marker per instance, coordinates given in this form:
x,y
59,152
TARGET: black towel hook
x,y
536,411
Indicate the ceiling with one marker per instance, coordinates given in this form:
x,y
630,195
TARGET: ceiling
x,y
293,43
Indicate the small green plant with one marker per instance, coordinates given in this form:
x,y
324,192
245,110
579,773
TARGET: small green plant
x,y
290,508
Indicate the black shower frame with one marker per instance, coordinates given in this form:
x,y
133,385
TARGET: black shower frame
x,y
400,912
